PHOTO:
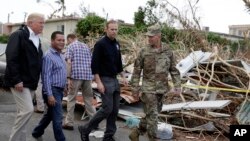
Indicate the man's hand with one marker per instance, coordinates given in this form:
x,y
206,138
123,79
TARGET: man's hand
x,y
124,81
70,85
51,100
100,87
19,87
99,84
136,93
123,78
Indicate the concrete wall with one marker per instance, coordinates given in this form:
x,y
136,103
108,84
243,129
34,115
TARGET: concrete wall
x,y
66,25
239,30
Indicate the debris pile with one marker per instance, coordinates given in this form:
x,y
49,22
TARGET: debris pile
x,y
214,96
126,94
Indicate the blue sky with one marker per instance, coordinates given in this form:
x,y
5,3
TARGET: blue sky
x,y
216,14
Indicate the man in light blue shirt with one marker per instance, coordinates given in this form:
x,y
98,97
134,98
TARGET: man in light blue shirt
x,y
54,76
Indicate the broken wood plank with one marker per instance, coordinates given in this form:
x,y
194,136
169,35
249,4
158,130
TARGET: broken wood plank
x,y
124,114
205,127
218,104
218,115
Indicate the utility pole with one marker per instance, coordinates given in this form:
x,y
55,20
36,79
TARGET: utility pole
x,y
8,20
25,15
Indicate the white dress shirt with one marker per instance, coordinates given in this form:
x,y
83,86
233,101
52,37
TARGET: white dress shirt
x,y
34,38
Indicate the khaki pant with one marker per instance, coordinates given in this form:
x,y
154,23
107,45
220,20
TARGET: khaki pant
x,y
25,109
39,97
87,94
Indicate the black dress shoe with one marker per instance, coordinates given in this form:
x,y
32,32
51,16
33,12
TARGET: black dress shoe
x,y
108,139
67,127
96,128
38,111
84,136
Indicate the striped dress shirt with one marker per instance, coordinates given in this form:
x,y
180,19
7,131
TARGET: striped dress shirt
x,y
54,73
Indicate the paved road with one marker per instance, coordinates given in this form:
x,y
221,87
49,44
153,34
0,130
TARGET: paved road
x,y
7,116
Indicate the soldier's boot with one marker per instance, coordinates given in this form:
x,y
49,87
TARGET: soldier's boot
x,y
134,135
151,138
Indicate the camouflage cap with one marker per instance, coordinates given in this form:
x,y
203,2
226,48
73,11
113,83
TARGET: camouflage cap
x,y
153,30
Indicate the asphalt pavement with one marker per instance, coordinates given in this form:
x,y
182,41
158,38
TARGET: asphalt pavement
x,y
8,112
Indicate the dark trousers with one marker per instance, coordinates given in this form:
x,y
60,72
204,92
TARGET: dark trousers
x,y
54,114
109,109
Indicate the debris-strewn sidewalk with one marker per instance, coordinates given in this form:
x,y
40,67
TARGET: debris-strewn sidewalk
x,y
7,116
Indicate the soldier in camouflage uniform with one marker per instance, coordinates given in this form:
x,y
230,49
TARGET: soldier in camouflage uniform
x,y
157,61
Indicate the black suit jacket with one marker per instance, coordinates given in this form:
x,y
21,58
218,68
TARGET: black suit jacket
x,y
24,60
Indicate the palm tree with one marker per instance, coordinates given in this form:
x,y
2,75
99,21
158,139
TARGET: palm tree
x,y
247,4
61,4
62,7
50,5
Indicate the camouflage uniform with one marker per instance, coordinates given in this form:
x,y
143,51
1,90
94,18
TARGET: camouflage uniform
x,y
156,65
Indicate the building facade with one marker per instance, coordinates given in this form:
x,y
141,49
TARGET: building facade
x,y
240,30
66,25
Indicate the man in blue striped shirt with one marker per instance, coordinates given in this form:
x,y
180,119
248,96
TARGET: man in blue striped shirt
x,y
78,57
54,81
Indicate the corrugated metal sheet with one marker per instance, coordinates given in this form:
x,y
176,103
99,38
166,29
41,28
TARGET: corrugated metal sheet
x,y
243,115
